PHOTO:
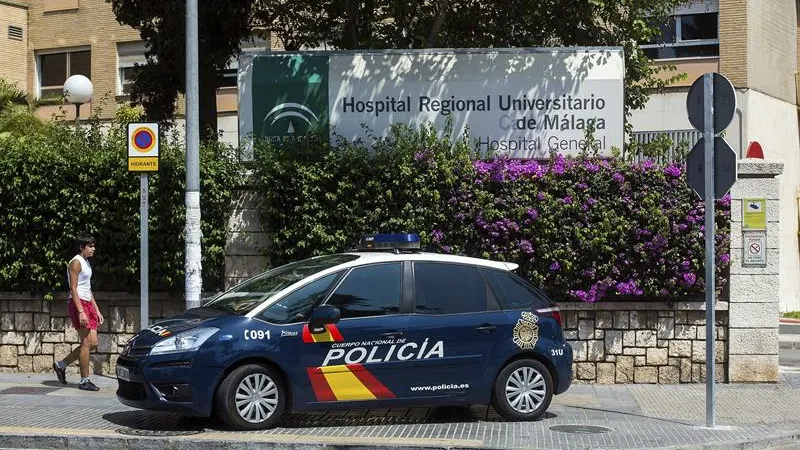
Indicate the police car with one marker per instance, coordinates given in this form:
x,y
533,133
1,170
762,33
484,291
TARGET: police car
x,y
385,326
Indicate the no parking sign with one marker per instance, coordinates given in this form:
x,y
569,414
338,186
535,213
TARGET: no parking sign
x,y
143,143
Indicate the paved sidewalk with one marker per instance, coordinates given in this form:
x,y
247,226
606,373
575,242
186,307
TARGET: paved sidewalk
x,y
38,412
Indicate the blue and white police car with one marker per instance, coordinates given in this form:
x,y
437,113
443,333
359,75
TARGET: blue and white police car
x,y
385,326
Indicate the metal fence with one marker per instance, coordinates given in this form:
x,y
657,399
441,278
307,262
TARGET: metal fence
x,y
682,142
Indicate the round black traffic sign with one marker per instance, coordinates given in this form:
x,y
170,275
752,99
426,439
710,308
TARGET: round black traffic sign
x,y
724,100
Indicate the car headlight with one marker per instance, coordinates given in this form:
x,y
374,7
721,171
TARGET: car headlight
x,y
187,341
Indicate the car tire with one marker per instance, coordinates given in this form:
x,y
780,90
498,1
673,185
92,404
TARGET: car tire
x,y
523,390
251,397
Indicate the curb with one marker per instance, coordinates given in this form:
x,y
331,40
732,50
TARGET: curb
x,y
787,320
213,441
72,439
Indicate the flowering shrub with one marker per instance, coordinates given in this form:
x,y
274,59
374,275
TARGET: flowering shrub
x,y
583,228
587,229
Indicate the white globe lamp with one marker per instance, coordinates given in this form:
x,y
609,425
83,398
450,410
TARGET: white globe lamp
x,y
78,90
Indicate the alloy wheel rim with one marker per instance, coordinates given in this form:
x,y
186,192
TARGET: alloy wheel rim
x,y
525,390
256,398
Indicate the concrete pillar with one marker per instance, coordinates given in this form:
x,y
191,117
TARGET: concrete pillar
x,y
245,249
754,288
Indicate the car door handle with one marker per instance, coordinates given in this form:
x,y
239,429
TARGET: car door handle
x,y
486,328
392,334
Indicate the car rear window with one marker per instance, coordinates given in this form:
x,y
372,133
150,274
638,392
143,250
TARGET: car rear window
x,y
513,292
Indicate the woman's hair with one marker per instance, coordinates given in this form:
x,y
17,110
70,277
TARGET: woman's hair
x,y
83,241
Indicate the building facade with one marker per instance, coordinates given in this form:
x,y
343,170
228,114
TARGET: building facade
x,y
754,43
49,40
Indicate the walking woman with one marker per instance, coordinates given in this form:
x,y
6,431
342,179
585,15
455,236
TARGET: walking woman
x,y
83,312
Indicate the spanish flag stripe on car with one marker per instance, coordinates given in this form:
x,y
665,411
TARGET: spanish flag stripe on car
x,y
331,334
345,385
346,382
369,380
322,390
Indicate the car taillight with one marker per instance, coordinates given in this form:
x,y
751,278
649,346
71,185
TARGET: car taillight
x,y
553,312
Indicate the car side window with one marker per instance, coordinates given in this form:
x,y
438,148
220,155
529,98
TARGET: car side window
x,y
513,292
369,291
441,288
296,306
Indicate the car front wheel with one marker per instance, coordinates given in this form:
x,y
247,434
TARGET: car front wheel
x,y
251,397
523,390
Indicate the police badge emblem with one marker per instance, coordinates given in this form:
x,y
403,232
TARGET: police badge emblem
x,y
526,332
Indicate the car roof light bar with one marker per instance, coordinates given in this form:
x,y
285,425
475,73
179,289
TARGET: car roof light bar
x,y
392,242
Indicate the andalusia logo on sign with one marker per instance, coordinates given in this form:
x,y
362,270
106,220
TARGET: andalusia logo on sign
x,y
290,95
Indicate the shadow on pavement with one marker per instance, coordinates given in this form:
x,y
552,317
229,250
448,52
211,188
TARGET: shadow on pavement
x,y
166,422
156,421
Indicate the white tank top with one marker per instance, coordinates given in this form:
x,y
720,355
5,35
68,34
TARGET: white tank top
x,y
84,278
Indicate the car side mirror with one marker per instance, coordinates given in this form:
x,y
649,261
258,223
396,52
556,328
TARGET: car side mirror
x,y
322,316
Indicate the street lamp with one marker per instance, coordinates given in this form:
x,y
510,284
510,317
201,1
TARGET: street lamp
x,y
78,90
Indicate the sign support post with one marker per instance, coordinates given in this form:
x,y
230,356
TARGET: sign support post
x,y
708,136
710,172
143,142
144,241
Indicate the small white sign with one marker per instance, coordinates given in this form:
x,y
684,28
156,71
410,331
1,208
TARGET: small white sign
x,y
754,253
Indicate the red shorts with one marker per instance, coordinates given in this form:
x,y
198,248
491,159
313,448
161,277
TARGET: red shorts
x,y
91,315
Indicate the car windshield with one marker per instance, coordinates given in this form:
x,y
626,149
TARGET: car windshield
x,y
248,295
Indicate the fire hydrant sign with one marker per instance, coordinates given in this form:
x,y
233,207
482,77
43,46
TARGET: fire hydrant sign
x,y
143,144
754,253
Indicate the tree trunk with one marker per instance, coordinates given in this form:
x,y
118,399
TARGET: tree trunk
x,y
208,103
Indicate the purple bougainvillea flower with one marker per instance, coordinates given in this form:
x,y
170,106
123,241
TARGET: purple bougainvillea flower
x,y
567,200
540,195
419,156
673,170
582,186
725,257
533,214
689,278
591,167
618,178
628,288
447,249
555,266
437,235
525,247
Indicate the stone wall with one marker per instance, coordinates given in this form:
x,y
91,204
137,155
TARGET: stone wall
x,y
613,342
627,342
34,333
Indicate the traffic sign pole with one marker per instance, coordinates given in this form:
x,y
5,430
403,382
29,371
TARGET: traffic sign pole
x,y
708,135
144,213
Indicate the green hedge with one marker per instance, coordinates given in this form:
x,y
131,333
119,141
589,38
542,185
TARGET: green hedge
x,y
59,183
585,228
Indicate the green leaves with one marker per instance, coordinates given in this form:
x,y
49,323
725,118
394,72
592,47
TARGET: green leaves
x,y
57,184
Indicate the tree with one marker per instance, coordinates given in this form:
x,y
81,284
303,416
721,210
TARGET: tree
x,y
222,26
17,112
379,24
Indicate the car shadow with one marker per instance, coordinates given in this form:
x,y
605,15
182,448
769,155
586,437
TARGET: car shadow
x,y
163,422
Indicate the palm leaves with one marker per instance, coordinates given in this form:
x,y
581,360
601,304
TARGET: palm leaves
x,y
16,111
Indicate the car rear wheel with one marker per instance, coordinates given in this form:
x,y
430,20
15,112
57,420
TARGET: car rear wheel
x,y
523,390
251,397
